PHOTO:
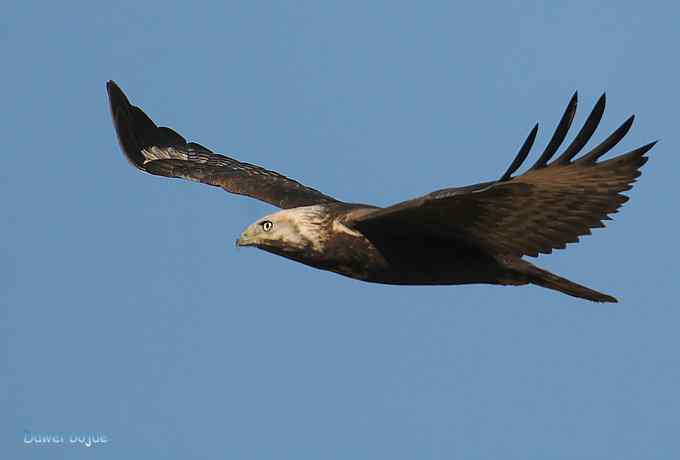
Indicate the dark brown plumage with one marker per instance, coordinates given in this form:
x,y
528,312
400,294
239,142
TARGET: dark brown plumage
x,y
474,234
163,152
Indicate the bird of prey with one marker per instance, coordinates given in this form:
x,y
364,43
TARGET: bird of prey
x,y
473,234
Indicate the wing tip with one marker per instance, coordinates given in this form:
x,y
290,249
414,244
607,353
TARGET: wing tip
x,y
641,153
117,98
560,133
135,130
521,155
574,98
120,108
111,85
647,147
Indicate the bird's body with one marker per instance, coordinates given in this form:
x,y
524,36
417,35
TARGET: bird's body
x,y
474,234
320,236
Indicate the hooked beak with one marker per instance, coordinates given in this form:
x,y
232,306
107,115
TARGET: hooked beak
x,y
243,240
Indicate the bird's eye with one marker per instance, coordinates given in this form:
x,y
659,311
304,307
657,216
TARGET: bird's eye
x,y
267,225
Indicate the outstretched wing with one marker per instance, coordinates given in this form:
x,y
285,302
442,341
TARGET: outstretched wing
x,y
545,208
163,152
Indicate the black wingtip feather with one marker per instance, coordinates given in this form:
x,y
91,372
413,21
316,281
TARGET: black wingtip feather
x,y
123,122
135,130
559,134
633,159
645,148
648,147
609,143
586,131
521,155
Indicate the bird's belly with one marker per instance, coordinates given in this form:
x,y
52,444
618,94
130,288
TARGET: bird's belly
x,y
404,262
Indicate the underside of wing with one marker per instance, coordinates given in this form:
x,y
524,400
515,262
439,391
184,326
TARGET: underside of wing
x,y
163,152
548,206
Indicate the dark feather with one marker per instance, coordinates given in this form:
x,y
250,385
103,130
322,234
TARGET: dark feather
x,y
545,208
609,143
585,133
559,134
162,151
521,155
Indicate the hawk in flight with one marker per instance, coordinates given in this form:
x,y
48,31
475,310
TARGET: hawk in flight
x,y
473,234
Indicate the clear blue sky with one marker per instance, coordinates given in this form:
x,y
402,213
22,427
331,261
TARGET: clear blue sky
x,y
126,310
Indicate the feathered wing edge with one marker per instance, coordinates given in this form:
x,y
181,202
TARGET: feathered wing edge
x,y
578,143
544,208
163,152
631,161
575,194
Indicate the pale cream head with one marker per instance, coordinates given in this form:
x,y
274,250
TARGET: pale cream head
x,y
288,230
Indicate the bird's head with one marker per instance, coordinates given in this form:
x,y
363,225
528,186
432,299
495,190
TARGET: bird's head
x,y
289,231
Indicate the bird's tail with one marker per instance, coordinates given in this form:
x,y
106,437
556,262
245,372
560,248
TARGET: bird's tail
x,y
544,278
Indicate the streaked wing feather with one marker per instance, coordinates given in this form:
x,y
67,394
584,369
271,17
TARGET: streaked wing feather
x,y
164,152
545,208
